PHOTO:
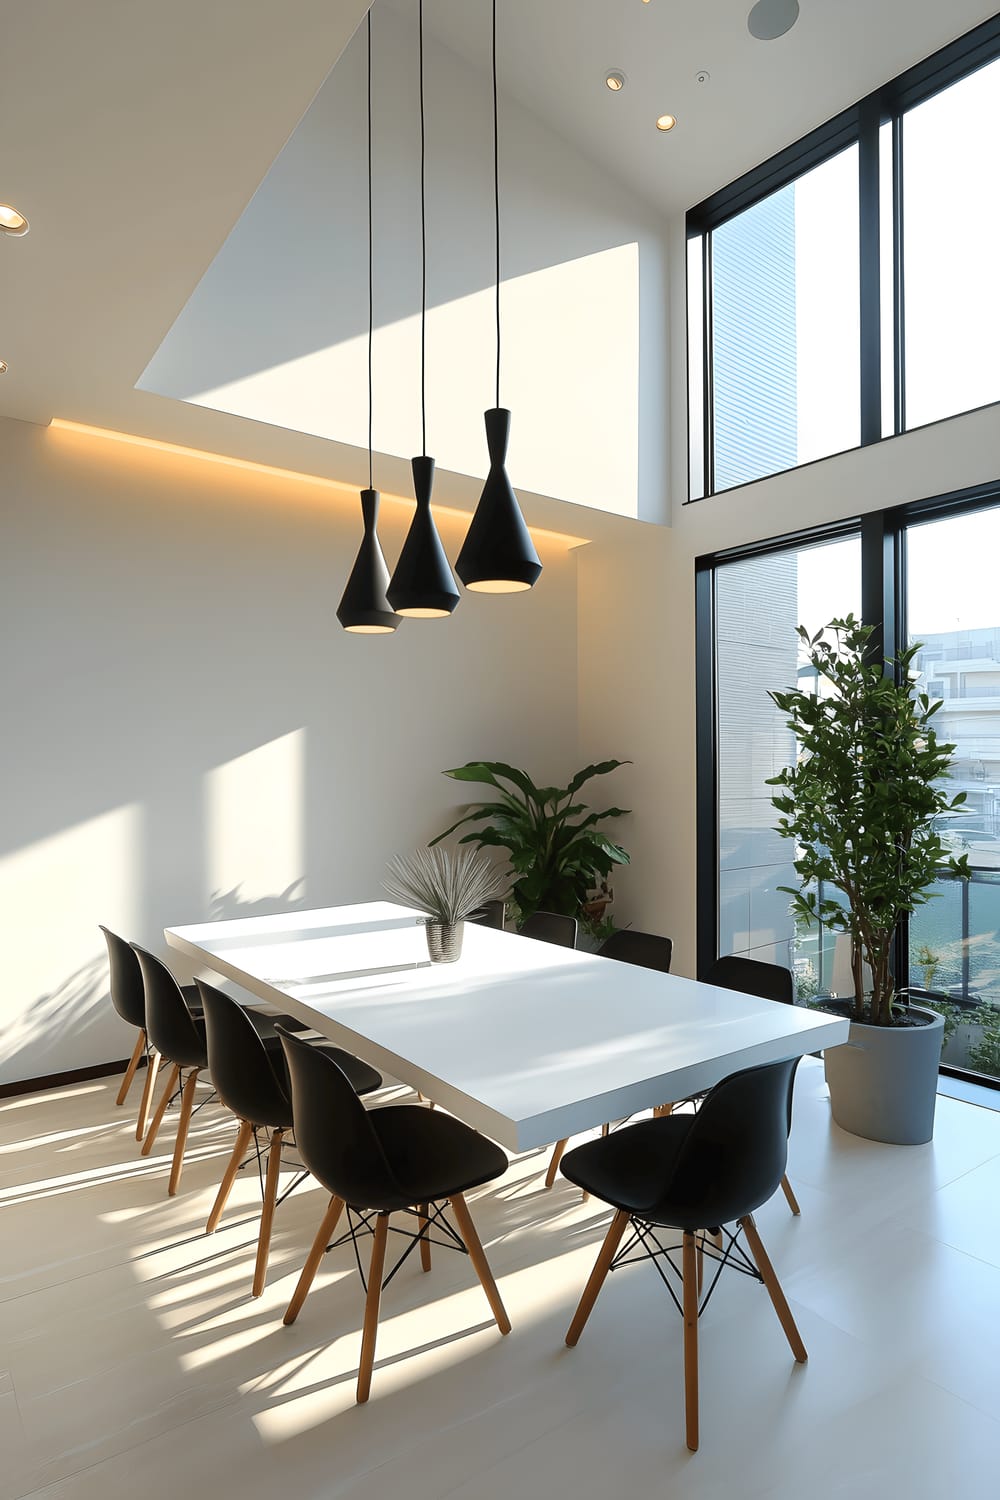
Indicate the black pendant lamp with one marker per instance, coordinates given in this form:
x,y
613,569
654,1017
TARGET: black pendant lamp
x,y
423,587
498,555
364,609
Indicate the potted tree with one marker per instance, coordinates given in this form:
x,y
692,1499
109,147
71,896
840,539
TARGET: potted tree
x,y
560,857
860,803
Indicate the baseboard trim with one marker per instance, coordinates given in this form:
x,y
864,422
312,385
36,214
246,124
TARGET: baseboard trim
x,y
60,1080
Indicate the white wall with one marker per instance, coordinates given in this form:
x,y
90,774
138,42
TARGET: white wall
x,y
188,732
277,328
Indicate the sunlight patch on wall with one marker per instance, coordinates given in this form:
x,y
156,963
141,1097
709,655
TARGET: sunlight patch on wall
x,y
254,829
53,894
570,377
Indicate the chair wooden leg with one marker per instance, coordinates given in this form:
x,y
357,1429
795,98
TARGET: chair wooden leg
x,y
612,1240
137,1051
323,1237
793,1202
425,1244
226,1185
187,1105
774,1291
690,1273
161,1110
152,1068
267,1212
372,1300
555,1159
477,1255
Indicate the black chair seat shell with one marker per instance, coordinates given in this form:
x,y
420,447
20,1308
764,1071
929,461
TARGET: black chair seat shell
x,y
696,1171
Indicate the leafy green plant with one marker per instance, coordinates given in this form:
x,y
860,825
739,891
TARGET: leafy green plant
x,y
930,962
950,1014
862,798
556,850
984,1053
447,884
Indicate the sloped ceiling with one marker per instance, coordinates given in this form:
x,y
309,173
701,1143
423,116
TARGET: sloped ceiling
x,y
135,133
760,96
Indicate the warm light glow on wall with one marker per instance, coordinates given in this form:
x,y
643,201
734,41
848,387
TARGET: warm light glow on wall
x,y
344,492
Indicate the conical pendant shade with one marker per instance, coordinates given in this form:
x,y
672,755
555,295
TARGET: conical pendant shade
x,y
422,586
364,607
498,555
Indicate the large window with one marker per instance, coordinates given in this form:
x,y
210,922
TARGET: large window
x,y
846,290
951,248
953,610
759,601
924,572
785,336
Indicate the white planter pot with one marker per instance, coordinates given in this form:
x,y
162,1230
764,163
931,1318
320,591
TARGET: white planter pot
x,y
883,1080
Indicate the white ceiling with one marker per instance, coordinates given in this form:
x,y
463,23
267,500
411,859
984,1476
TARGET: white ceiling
x,y
553,56
135,132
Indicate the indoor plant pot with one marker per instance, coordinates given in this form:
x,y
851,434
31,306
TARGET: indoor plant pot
x,y
883,1080
861,802
448,885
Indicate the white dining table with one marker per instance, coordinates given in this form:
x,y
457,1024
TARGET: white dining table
x,y
525,1041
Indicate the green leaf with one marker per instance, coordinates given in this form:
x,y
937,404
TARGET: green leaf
x,y
602,768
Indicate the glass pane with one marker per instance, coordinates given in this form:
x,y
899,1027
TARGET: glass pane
x,y
887,279
785,326
951,230
696,366
759,602
954,611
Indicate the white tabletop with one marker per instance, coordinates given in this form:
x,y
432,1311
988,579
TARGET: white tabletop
x,y
525,1041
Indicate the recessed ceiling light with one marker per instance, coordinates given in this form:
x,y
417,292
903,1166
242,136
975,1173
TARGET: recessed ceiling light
x,y
11,222
615,79
665,122
3,367
770,19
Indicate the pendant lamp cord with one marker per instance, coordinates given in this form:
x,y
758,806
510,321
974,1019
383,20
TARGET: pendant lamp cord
x,y
423,253
496,186
371,264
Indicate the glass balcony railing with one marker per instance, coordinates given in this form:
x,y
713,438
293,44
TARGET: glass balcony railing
x,y
954,966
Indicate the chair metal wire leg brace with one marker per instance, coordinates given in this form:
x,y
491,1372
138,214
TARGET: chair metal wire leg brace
x,y
362,1221
376,1222
261,1155
644,1244
710,1242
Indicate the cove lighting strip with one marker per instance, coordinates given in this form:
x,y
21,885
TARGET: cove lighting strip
x,y
332,486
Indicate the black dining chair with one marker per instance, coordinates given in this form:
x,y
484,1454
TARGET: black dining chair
x,y
694,1174
550,927
493,914
178,1034
397,1159
627,946
767,982
752,977
647,950
129,1000
251,1079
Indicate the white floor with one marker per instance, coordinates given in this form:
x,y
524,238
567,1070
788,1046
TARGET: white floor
x,y
133,1361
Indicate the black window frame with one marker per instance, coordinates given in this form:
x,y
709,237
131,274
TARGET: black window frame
x,y
883,605
858,125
